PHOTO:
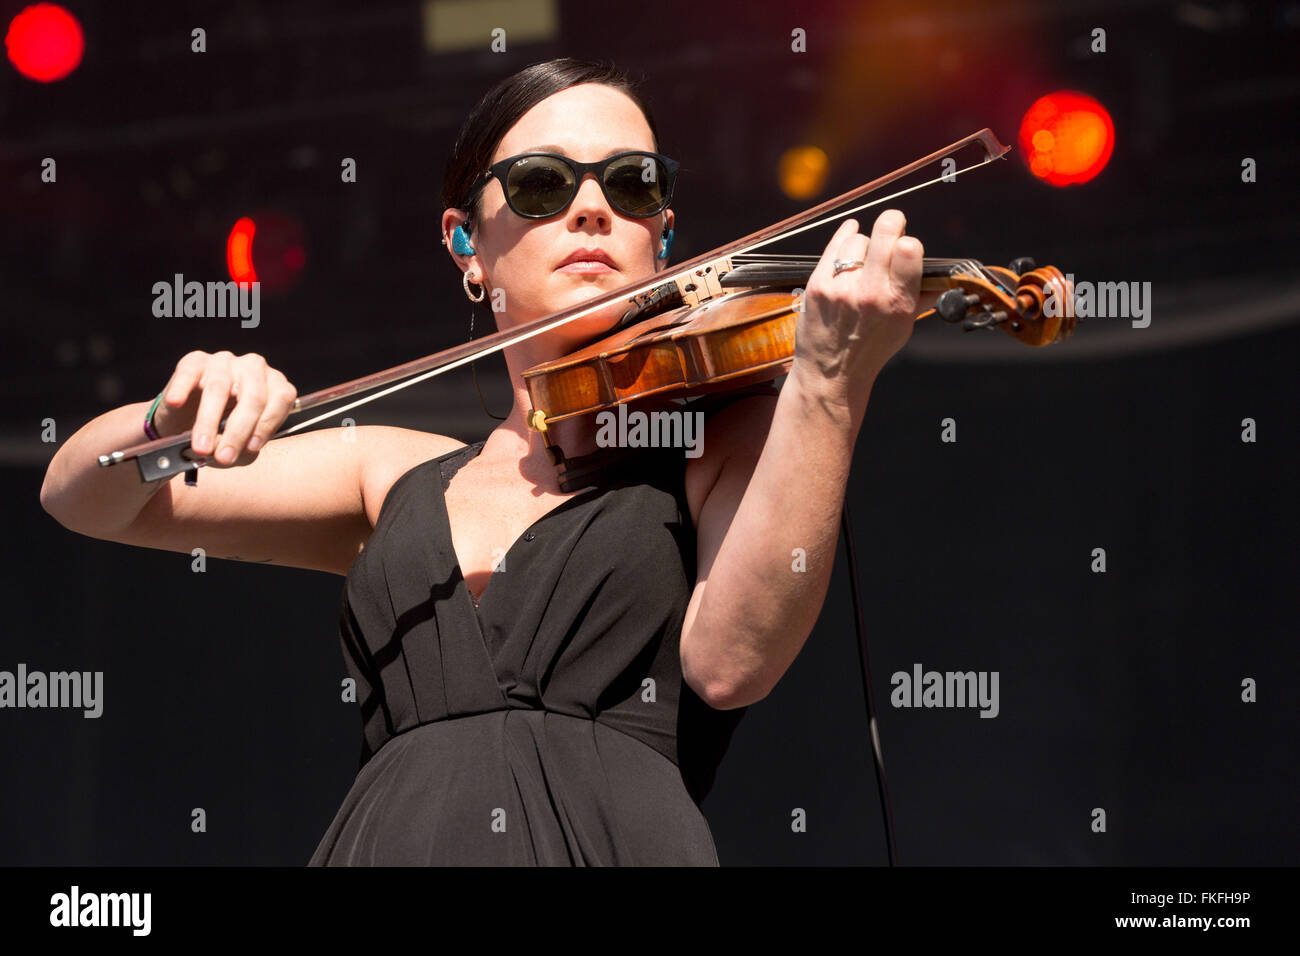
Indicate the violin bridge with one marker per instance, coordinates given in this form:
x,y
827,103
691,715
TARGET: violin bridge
x,y
702,284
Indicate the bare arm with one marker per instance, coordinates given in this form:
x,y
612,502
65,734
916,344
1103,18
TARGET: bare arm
x,y
92,500
296,501
766,540
769,524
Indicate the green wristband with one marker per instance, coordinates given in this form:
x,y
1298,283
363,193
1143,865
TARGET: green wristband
x,y
149,431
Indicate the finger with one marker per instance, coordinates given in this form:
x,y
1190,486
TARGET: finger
x,y
825,265
854,250
888,227
277,410
184,378
215,382
905,267
249,386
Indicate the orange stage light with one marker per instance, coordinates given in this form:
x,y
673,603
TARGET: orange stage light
x,y
803,171
1066,137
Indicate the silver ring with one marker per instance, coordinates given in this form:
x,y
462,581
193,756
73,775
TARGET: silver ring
x,y
844,265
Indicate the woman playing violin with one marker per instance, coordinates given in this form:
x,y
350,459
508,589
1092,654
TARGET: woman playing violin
x,y
544,677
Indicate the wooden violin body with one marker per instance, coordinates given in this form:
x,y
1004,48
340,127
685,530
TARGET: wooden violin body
x,y
736,340
747,336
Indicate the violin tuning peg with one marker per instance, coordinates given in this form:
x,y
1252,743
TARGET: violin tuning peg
x,y
1022,265
985,320
952,305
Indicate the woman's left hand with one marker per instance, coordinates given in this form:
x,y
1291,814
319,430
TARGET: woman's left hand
x,y
854,322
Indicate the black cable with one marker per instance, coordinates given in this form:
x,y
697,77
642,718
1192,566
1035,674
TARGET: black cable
x,y
846,527
473,367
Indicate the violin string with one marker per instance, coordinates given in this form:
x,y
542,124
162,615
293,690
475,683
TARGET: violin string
x,y
993,278
404,383
938,260
796,258
972,266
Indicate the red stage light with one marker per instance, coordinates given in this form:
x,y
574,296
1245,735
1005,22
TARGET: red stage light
x,y
239,251
281,251
1067,137
45,42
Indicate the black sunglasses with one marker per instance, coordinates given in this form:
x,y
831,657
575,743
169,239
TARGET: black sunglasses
x,y
537,185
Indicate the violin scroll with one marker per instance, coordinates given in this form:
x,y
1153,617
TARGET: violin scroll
x,y
1035,306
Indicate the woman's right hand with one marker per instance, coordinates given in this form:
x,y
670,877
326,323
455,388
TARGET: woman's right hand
x,y
207,387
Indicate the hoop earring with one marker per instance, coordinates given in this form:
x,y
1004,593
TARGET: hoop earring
x,y
482,290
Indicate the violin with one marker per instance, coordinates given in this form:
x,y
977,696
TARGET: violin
x,y
722,320
747,335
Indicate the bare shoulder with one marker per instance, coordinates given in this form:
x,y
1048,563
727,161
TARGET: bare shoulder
x,y
387,453
736,432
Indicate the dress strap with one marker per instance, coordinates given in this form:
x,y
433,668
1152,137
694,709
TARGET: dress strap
x,y
450,463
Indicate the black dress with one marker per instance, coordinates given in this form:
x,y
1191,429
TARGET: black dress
x,y
549,724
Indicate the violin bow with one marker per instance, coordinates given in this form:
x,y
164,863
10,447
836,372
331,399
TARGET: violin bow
x,y
172,454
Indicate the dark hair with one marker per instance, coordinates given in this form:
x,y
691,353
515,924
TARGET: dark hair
x,y
503,105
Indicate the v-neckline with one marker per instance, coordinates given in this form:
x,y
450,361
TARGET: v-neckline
x,y
477,603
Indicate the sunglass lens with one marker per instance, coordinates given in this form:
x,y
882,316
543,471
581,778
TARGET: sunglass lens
x,y
637,184
539,186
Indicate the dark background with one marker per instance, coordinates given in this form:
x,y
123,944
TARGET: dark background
x,y
1119,690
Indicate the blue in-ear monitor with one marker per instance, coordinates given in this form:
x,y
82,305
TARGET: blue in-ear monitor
x,y
666,245
460,241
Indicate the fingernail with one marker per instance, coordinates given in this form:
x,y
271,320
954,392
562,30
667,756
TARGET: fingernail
x,y
226,454
201,444
254,443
